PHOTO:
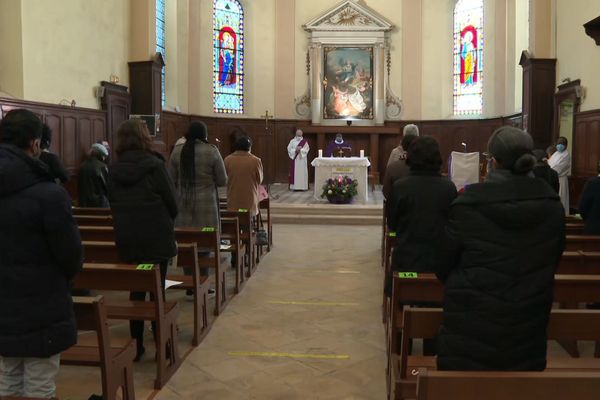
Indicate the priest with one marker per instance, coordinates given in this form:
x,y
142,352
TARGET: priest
x,y
338,148
561,163
298,152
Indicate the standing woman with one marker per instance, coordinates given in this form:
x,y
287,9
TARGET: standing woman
x,y
504,241
142,199
197,170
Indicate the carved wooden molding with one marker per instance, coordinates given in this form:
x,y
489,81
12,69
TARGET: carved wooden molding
x,y
592,29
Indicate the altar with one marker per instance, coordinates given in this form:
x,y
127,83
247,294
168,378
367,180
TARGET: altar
x,y
332,167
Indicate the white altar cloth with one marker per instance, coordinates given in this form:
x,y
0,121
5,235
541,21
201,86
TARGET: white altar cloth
x,y
332,167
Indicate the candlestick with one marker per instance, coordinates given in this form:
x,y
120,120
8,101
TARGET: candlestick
x,y
362,154
320,153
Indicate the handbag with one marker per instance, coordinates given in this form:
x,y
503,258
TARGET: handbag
x,y
262,237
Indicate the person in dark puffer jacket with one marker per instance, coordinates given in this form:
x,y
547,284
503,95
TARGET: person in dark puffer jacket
x,y
40,252
144,207
505,240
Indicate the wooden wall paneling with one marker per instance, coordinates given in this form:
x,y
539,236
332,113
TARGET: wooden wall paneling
x,y
586,152
85,138
70,143
117,104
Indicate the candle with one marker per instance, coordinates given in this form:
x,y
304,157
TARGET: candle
x,y
320,153
362,154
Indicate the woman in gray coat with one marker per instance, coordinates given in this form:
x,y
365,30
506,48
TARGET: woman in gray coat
x,y
197,169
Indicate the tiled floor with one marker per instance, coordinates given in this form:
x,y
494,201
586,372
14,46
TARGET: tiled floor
x,y
317,294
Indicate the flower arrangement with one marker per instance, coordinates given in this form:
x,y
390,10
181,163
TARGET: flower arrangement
x,y
340,190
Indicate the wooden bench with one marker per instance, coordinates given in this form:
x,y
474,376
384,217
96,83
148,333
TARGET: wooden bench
x,y
574,228
143,278
208,241
247,236
93,220
424,323
426,288
91,211
187,256
389,242
265,209
230,230
116,363
436,385
582,242
579,263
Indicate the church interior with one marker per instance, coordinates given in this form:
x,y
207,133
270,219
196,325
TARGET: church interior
x,y
302,316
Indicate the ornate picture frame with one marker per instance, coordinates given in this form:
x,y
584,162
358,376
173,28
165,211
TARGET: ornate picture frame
x,y
348,83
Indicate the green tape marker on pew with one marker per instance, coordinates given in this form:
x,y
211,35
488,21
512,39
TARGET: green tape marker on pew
x,y
243,210
408,275
392,234
208,229
145,267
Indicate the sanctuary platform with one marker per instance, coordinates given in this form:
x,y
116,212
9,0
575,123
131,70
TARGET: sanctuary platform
x,y
290,207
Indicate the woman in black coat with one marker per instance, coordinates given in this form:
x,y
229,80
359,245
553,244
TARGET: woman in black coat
x,y
505,240
418,208
142,199
40,252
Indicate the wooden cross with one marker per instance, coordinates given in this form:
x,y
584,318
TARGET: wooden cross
x,y
267,117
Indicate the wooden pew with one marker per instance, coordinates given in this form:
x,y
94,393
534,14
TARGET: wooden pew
x,y
91,211
187,256
116,363
389,242
93,220
436,385
582,242
208,241
574,228
579,263
247,235
265,209
230,230
139,278
426,288
425,323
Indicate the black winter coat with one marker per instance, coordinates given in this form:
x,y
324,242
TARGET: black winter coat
x,y
144,207
418,211
543,171
93,176
505,242
40,251
589,206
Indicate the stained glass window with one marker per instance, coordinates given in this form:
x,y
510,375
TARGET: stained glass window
x,y
160,43
468,57
228,57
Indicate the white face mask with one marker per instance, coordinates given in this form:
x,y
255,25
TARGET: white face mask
x,y
339,141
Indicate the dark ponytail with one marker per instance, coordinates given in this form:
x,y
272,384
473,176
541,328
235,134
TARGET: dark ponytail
x,y
187,161
524,164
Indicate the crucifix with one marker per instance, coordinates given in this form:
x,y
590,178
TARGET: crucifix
x,y
267,117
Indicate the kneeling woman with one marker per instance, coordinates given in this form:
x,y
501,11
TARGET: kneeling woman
x,y
505,239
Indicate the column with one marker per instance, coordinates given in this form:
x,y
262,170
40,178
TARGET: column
x,y
412,59
316,61
379,84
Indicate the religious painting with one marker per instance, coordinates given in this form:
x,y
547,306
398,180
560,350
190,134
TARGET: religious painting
x,y
468,57
348,83
228,57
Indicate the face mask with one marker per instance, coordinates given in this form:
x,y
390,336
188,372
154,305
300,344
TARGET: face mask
x,y
339,141
560,147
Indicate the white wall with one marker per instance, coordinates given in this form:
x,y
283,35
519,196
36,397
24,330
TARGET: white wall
x,y
69,46
578,55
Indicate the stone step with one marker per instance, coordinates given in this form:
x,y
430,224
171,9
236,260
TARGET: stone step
x,y
320,219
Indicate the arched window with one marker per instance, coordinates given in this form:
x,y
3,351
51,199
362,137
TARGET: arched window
x,y
160,43
228,57
468,57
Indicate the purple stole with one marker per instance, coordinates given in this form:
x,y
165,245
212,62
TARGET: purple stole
x,y
293,169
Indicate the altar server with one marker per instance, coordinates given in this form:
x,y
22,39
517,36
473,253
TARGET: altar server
x,y
561,163
298,152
